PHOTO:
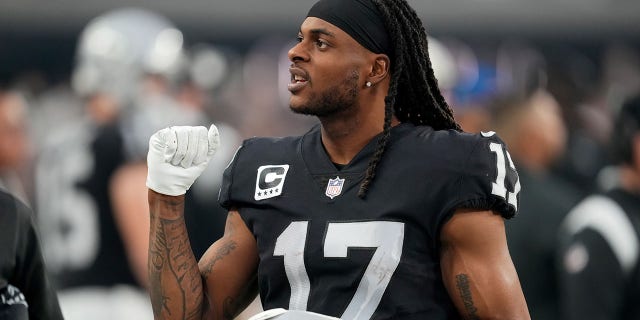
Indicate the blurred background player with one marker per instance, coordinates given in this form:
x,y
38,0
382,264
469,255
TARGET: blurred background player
x,y
93,268
600,237
15,146
25,290
131,72
533,128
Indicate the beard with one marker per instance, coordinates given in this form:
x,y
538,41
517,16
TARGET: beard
x,y
337,99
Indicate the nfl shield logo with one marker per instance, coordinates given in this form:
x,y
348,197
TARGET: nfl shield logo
x,y
334,187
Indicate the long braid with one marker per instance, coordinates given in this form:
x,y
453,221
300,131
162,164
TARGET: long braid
x,y
444,109
389,102
413,95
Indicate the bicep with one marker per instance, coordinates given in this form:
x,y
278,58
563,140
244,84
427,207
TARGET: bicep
x,y
477,269
228,269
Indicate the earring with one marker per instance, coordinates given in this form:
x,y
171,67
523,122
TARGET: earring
x,y
368,84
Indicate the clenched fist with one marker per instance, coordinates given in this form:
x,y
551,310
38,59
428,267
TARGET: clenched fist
x,y
178,155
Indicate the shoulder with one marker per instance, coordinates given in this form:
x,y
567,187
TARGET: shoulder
x,y
261,149
269,143
424,139
14,209
453,151
477,167
15,217
264,150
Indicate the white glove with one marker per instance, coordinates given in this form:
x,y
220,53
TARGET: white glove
x,y
177,156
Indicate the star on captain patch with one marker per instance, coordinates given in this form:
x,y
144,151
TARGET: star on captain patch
x,y
334,187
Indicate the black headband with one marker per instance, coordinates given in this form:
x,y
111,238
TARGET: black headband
x,y
359,18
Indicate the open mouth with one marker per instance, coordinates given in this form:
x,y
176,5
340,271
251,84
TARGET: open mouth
x,y
299,79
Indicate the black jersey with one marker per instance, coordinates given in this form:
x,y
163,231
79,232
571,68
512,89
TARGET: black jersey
x,y
600,254
25,292
325,250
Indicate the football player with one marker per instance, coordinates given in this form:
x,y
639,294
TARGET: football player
x,y
384,210
599,251
25,289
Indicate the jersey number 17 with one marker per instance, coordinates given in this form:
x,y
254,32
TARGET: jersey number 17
x,y
386,236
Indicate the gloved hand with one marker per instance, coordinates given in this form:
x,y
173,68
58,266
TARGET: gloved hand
x,y
177,156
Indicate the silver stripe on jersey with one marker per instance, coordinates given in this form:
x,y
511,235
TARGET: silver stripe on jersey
x,y
282,314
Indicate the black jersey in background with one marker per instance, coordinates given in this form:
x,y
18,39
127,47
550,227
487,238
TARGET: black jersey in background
x,y
599,254
25,291
81,240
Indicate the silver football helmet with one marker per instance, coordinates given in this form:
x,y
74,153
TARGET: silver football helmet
x,y
118,47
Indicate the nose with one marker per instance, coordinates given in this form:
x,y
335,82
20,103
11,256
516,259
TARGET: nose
x,y
298,53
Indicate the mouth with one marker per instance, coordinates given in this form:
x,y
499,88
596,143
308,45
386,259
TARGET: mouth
x,y
299,79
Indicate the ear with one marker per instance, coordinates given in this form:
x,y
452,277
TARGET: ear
x,y
380,69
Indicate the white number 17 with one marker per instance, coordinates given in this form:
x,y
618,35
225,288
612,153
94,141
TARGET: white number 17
x,y
386,236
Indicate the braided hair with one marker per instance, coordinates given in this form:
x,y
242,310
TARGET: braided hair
x,y
413,95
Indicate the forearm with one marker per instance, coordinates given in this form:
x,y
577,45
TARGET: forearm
x,y
175,282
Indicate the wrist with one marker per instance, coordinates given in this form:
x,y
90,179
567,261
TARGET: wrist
x,y
166,206
167,182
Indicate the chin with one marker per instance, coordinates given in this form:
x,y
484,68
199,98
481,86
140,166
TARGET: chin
x,y
296,105
302,109
299,109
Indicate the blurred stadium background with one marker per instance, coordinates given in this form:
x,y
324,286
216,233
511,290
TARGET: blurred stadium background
x,y
548,75
43,37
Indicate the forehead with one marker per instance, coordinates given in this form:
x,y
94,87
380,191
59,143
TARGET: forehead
x,y
317,25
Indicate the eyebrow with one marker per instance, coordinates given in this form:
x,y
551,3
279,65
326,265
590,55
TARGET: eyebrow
x,y
320,31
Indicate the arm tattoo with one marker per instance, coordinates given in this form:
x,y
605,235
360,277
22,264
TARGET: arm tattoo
x,y
173,266
462,282
223,251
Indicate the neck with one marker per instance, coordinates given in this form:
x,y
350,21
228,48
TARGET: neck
x,y
343,136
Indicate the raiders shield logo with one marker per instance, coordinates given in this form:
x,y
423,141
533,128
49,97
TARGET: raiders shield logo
x,y
334,187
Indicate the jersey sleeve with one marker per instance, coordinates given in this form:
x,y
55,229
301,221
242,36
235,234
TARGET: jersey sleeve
x,y
488,179
225,197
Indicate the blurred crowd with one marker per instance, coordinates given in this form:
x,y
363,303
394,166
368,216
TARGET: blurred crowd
x,y
74,150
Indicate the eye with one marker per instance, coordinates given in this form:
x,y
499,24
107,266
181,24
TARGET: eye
x,y
299,38
321,44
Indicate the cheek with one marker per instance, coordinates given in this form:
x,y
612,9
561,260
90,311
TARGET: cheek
x,y
330,72
324,76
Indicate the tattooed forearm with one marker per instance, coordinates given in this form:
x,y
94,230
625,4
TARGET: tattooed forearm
x,y
462,282
174,277
156,264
